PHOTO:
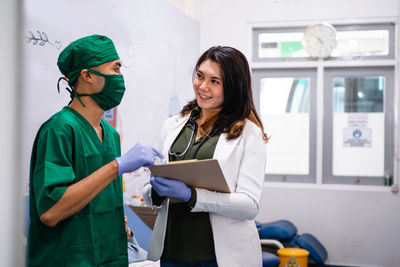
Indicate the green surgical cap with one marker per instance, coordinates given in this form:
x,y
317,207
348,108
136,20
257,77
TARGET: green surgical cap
x,y
86,52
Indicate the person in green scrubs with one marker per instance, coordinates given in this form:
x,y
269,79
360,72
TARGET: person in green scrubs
x,y
75,184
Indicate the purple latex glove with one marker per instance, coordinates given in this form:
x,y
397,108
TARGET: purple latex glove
x,y
171,188
141,155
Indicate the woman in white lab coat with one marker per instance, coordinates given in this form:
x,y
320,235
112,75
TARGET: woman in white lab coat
x,y
210,228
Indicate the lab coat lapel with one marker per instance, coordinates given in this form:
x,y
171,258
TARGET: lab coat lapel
x,y
173,131
224,149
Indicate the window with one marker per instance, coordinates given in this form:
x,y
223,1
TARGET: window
x,y
287,109
364,41
359,125
369,41
276,45
347,104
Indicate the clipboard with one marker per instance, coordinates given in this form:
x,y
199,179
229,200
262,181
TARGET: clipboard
x,y
206,174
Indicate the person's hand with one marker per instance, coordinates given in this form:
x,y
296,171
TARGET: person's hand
x,y
140,155
127,229
171,188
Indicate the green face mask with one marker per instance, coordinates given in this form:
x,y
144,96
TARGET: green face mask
x,y
112,93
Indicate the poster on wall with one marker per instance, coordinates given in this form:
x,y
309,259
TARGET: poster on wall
x,y
358,132
111,116
357,137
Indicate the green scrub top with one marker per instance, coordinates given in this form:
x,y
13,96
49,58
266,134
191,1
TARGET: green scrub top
x,y
66,150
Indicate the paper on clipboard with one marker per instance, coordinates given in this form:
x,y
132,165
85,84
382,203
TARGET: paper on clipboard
x,y
206,174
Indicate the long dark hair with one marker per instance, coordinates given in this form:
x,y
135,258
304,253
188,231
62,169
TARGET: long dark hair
x,y
238,102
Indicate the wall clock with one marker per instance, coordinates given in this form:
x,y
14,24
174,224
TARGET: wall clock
x,y
320,40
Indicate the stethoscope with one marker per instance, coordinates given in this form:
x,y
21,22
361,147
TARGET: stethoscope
x,y
180,154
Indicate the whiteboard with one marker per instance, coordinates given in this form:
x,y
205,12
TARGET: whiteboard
x,y
158,46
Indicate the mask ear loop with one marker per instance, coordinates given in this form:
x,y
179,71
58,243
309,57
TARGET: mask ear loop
x,y
71,91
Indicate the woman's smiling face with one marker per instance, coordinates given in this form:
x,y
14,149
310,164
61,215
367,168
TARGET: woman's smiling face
x,y
208,86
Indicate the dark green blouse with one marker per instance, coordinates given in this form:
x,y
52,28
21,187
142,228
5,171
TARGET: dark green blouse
x,y
189,234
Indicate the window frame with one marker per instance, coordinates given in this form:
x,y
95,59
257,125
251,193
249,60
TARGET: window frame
x,y
310,73
389,61
329,74
390,26
258,31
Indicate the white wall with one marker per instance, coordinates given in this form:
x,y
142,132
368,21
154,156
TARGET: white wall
x,y
225,22
187,7
11,241
357,226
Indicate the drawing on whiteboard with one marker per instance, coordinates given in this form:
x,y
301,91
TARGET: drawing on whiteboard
x,y
41,39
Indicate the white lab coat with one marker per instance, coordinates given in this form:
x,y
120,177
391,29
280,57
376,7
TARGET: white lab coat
x,y
242,161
